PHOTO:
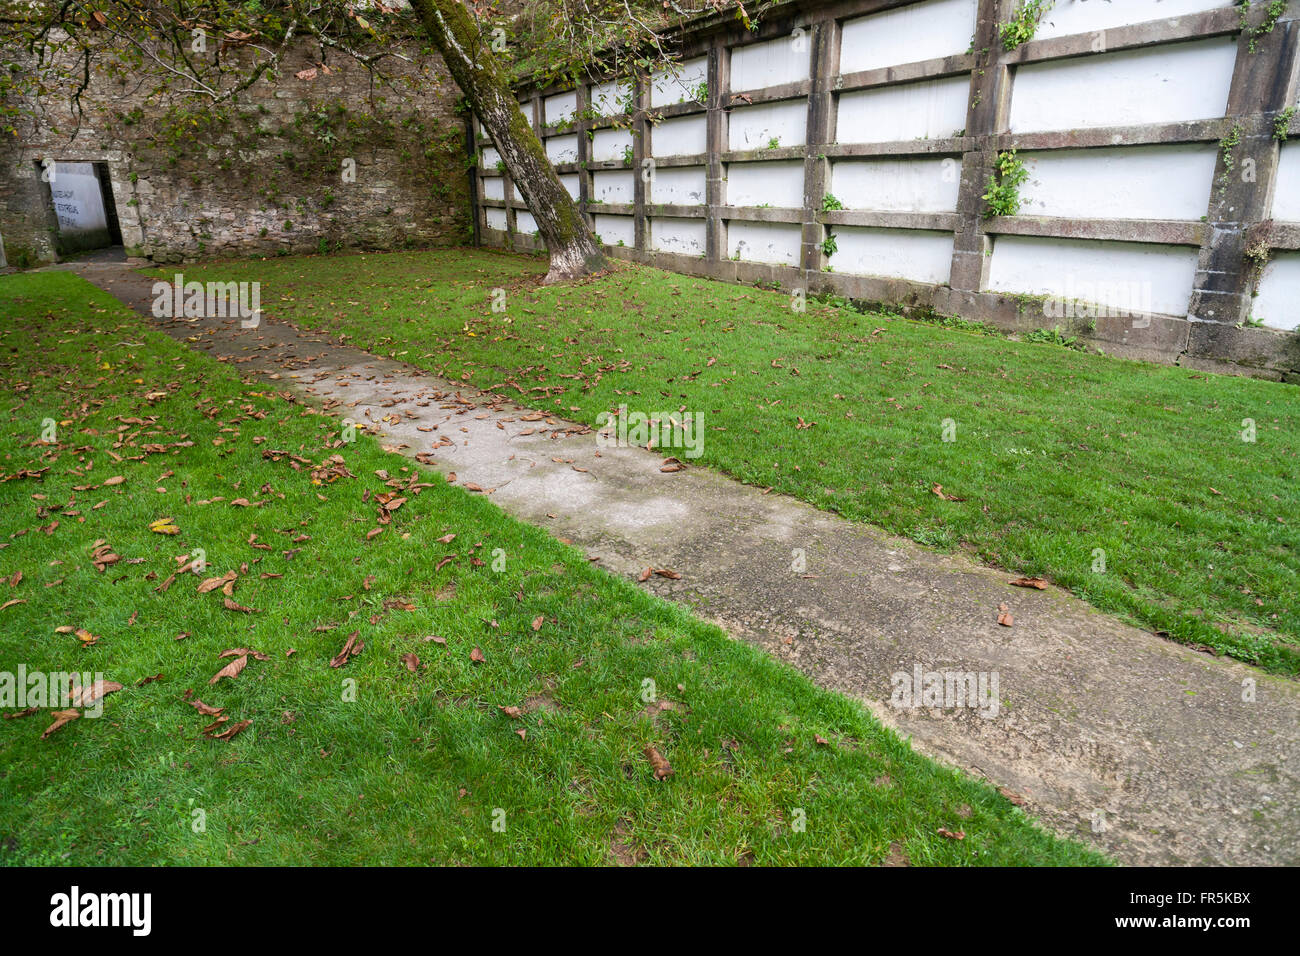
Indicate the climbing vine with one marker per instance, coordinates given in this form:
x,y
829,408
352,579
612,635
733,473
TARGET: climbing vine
x,y
1003,196
1023,23
1272,13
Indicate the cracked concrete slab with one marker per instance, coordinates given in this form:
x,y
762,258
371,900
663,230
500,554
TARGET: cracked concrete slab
x,y
1149,750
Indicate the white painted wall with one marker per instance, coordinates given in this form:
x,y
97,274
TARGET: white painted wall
x,y
668,89
79,205
494,187
562,149
1286,197
496,218
1068,17
1106,273
919,31
1278,302
931,109
754,127
490,158
893,253
560,107
525,224
779,185
683,136
1165,84
783,60
897,185
610,144
1135,182
775,242
678,185
683,236
615,230
608,99
613,186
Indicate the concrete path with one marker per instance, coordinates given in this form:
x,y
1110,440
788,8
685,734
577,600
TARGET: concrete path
x,y
1109,734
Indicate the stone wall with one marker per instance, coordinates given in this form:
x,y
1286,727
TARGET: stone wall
x,y
298,165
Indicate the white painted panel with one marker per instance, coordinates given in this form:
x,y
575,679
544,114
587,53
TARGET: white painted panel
x,y
783,60
525,224
1142,182
1068,17
562,149
79,204
765,184
678,185
490,157
496,219
667,89
932,109
514,191
893,253
755,127
1278,302
612,98
494,187
570,182
610,144
777,242
897,185
526,107
919,31
1117,274
560,107
1286,197
683,236
683,136
616,230
1165,84
613,186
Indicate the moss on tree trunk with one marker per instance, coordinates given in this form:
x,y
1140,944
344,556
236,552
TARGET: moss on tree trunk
x,y
569,241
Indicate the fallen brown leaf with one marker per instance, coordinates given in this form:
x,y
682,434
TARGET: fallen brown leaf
x,y
61,717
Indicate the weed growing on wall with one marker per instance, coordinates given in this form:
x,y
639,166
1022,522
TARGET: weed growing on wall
x,y
830,203
1272,13
1282,124
1003,196
1024,23
1227,146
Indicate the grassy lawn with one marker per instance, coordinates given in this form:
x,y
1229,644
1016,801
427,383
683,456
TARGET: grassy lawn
x,y
386,759
1129,484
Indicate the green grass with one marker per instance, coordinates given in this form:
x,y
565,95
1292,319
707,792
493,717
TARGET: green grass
x,y
413,769
1062,457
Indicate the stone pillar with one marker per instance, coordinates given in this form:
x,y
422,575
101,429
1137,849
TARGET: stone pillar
x,y
986,117
1263,85
825,66
715,188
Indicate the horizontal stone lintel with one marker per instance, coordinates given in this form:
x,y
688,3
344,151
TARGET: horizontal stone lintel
x,y
1162,231
1192,26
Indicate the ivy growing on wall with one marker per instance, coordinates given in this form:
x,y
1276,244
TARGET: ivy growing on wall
x,y
1023,23
1272,13
1003,196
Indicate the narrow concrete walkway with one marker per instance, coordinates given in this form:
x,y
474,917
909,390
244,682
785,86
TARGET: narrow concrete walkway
x,y
1111,735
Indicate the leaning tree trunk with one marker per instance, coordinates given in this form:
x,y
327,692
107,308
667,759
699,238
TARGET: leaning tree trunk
x,y
572,246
